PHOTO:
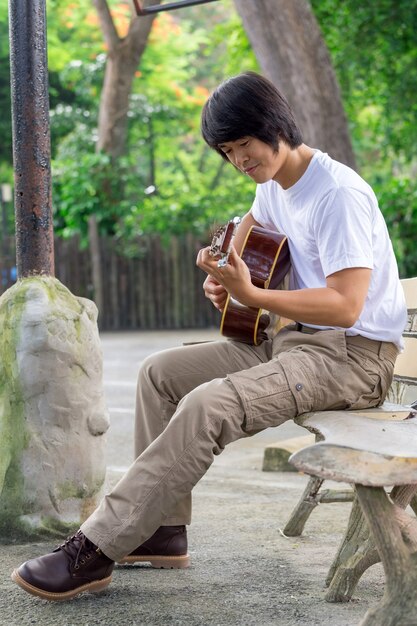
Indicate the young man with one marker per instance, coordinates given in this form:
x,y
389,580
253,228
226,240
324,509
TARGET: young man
x,y
192,401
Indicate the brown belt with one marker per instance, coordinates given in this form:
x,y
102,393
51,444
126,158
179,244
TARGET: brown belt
x,y
305,329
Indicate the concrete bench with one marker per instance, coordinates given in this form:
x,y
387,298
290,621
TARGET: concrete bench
x,y
373,450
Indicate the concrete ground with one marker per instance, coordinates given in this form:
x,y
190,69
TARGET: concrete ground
x,y
244,571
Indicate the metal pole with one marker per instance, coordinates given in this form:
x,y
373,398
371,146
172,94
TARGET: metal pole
x,y
31,138
141,10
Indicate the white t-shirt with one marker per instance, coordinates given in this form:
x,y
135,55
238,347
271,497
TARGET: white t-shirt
x,y
332,221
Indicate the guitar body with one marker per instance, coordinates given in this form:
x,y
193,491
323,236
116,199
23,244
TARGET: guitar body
x,y
267,255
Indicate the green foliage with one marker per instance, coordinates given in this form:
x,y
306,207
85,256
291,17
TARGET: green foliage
x,y
5,101
168,182
229,48
73,33
398,201
190,200
189,191
166,77
86,186
374,51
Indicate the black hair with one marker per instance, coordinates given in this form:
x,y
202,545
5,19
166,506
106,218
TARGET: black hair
x,y
248,105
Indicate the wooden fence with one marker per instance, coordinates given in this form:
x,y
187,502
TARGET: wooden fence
x,y
158,288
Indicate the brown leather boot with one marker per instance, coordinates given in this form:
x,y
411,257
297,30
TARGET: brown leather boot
x,y
167,548
75,566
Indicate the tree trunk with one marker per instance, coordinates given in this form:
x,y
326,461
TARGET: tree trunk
x,y
123,59
291,51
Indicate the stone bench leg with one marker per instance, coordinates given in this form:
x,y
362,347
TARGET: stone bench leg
x,y
395,536
312,497
357,551
298,518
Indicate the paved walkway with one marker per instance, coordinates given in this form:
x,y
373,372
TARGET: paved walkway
x,y
244,572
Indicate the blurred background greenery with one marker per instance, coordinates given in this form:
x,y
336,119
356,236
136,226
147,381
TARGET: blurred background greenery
x,y
164,179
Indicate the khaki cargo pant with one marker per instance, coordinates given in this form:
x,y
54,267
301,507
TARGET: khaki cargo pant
x,y
194,400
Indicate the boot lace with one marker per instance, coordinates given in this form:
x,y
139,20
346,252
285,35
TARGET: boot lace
x,y
78,548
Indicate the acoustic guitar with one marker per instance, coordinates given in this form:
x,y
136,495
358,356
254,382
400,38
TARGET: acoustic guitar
x,y
267,256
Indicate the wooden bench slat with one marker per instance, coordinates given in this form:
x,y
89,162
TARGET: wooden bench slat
x,y
360,449
276,455
349,465
395,438
387,411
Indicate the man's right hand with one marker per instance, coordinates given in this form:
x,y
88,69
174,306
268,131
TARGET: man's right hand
x,y
215,292
212,289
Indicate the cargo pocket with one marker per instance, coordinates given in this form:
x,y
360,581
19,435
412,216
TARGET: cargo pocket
x,y
302,381
316,371
265,395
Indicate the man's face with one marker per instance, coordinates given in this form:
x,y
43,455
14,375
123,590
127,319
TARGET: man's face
x,y
254,158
